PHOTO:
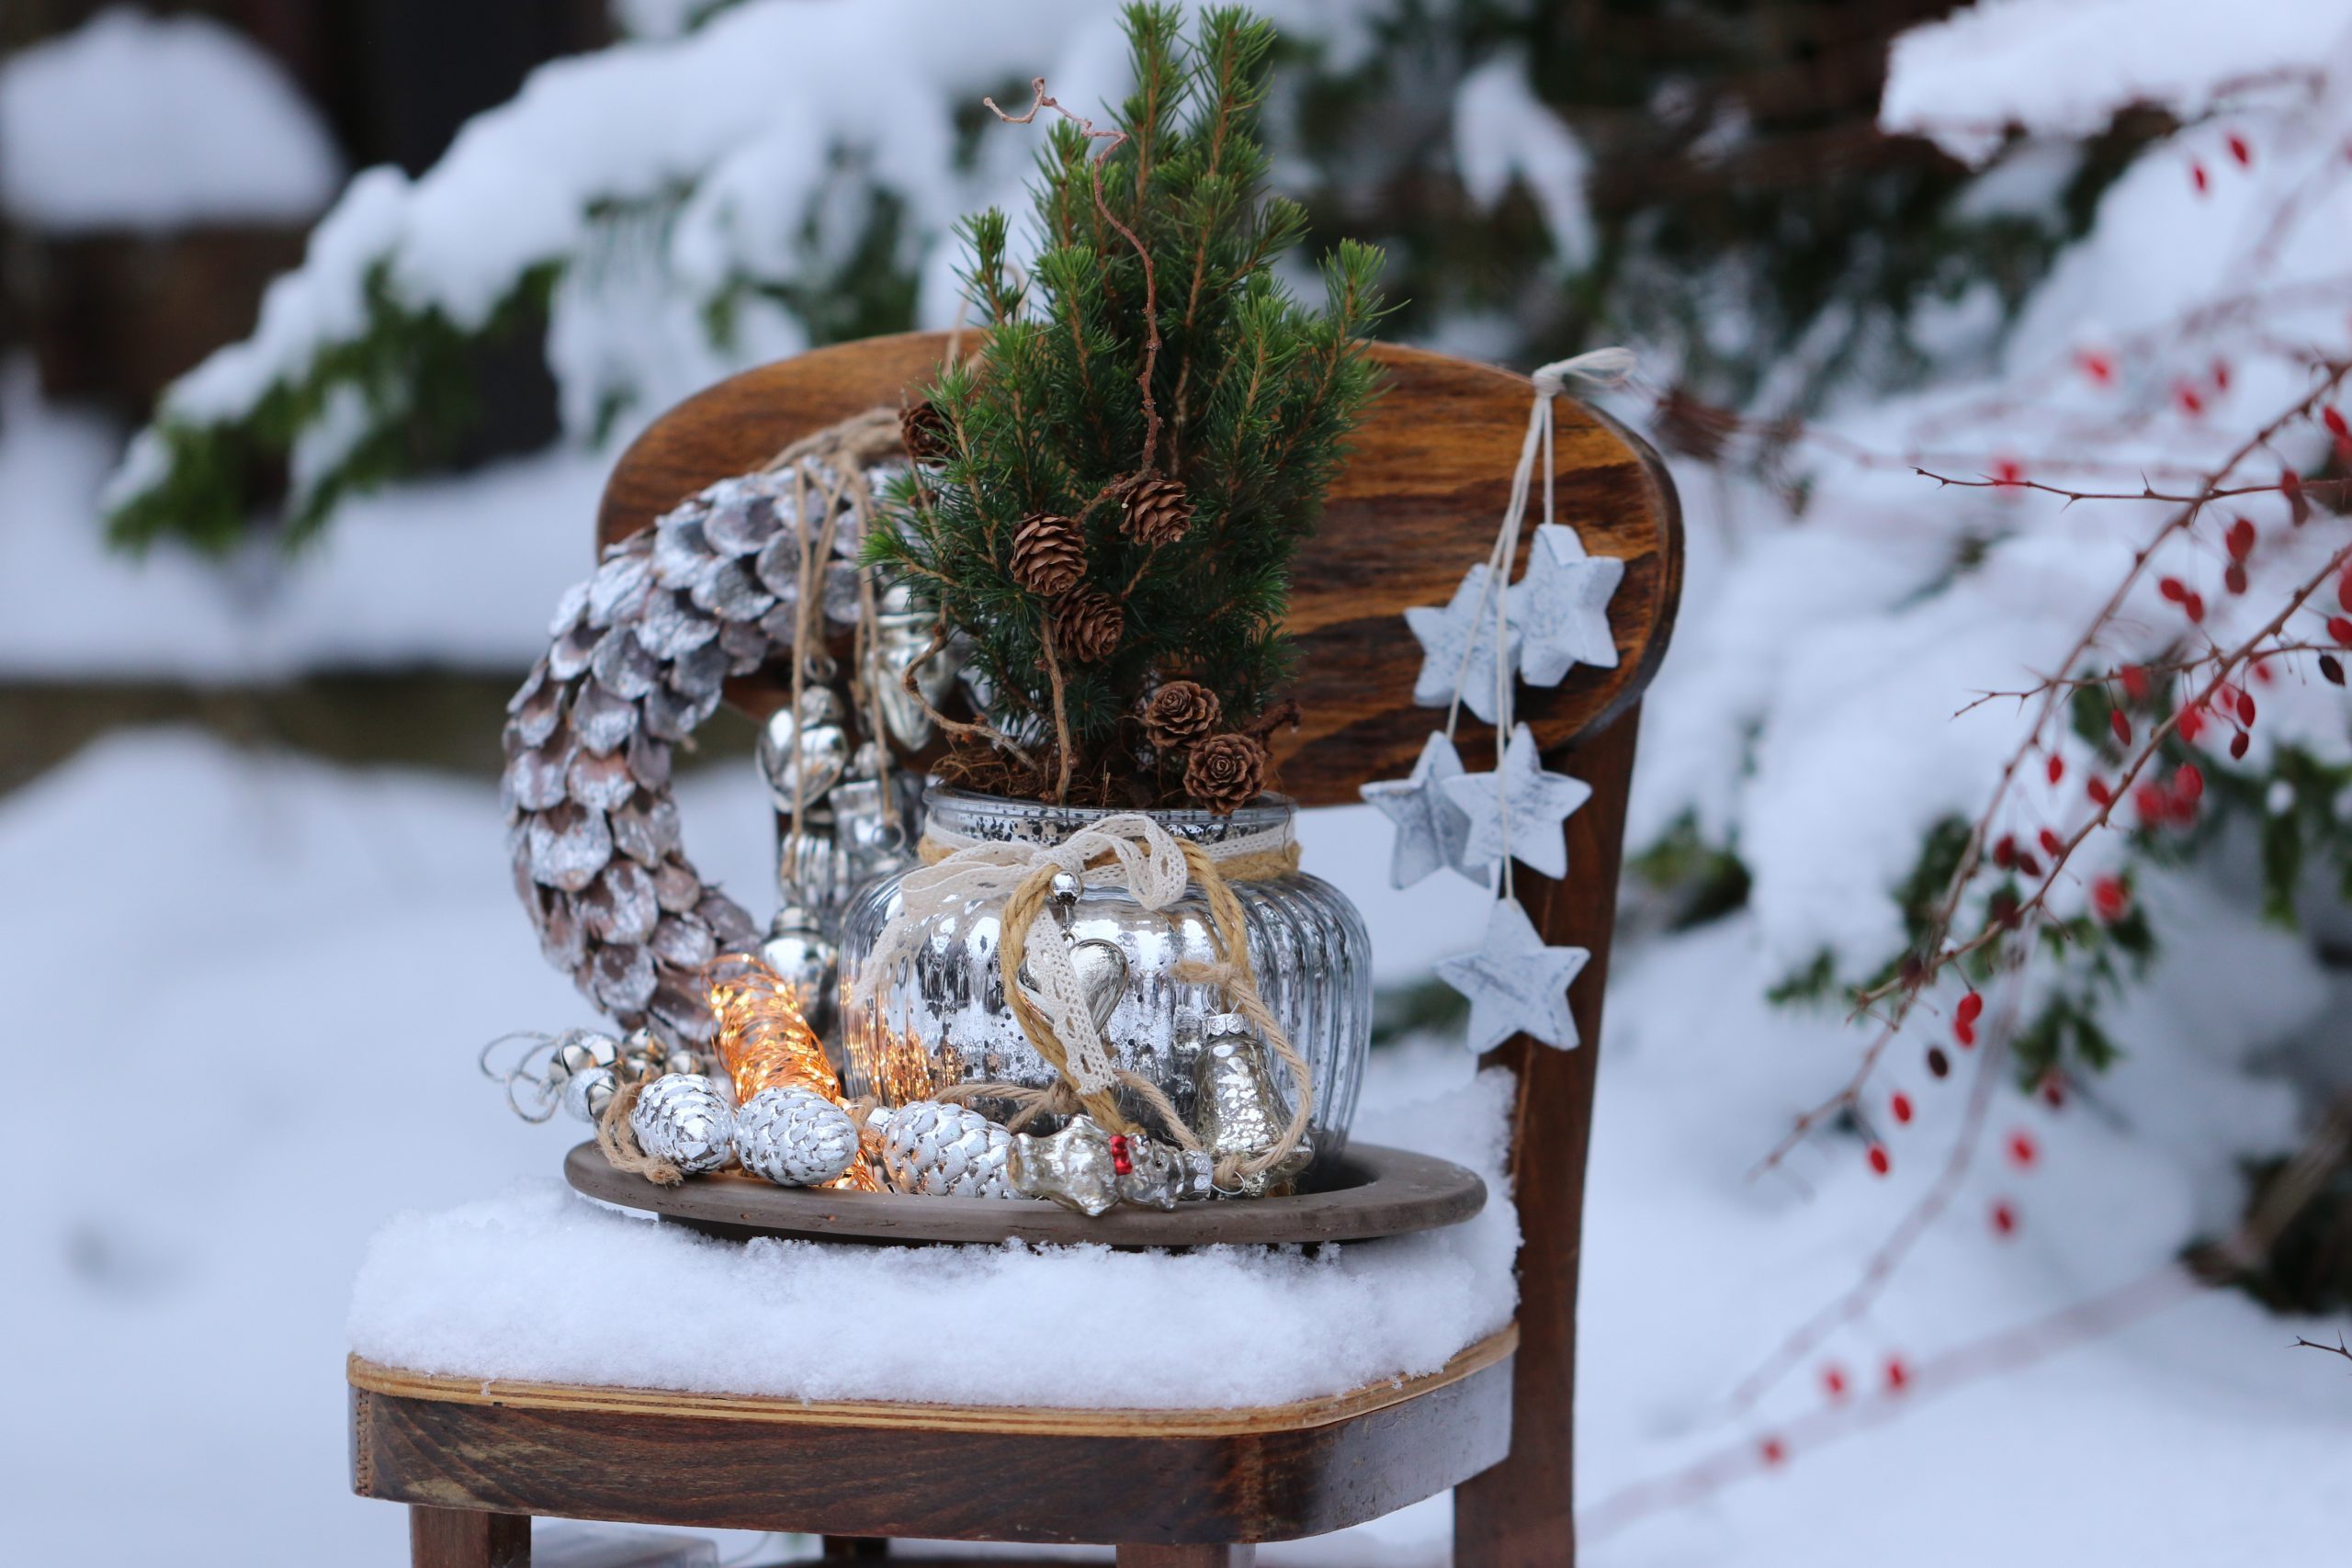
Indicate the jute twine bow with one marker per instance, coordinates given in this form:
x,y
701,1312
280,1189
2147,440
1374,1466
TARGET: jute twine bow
x,y
1131,851
618,1139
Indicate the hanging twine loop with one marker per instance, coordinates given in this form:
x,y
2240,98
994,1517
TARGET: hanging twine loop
x,y
1134,854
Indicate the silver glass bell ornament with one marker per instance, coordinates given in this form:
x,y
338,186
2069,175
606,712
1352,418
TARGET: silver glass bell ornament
x,y
1239,1110
902,634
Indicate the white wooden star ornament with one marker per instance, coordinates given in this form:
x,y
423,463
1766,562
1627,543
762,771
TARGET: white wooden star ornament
x,y
1458,647
1431,829
1518,810
1515,983
1561,608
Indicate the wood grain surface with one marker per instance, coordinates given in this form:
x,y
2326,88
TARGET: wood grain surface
x,y
1382,1191
1140,1477
1417,503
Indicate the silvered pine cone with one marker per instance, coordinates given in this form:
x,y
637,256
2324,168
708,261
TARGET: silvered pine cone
x,y
1048,556
1156,511
681,1118
1088,624
793,1137
945,1151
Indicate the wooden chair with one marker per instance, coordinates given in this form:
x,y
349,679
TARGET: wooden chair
x,y
1419,503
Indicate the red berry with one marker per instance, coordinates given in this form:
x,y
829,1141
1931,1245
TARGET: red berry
x,y
1938,1063
2152,805
1880,1164
2261,671
2192,725
2054,1090
2233,578
2005,851
2245,708
2027,864
2189,783
2240,539
2110,898
2194,608
2237,746
1965,1034
2344,590
2333,419
2331,669
2172,588
2239,150
2057,769
1898,1375
2222,375
2005,1219
2051,845
1772,1451
1971,1008
2135,683
1899,1107
2191,402
1833,1381
2095,366
2197,176
2339,631
2120,725
2298,506
2022,1151
2007,471
2098,792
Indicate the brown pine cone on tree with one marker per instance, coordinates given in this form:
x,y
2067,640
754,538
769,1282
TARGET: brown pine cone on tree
x,y
1156,511
1048,555
1225,773
923,431
1088,626
1179,714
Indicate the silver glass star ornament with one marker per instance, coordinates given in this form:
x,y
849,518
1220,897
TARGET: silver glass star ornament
x,y
1519,809
1516,985
1463,631
1432,830
1561,608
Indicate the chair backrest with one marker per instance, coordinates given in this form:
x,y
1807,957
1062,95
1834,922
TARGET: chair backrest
x,y
1417,503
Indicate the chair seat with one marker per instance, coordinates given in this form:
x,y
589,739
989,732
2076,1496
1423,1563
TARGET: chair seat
x,y
963,1472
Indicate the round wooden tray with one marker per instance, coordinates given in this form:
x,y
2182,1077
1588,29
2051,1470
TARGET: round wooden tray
x,y
1370,1192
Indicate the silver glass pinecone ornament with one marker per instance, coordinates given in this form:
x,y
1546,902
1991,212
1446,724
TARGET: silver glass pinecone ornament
x,y
682,1118
943,1151
793,1137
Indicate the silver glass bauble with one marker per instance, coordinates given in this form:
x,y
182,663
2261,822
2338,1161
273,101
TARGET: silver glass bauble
x,y
805,959
902,633
940,1018
805,752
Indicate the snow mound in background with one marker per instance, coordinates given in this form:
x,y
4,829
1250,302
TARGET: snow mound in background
x,y
152,123
493,1290
2063,69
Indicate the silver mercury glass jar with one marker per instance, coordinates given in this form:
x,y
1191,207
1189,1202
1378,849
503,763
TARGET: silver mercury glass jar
x,y
941,1018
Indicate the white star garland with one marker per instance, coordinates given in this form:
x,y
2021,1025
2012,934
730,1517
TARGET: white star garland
x,y
1515,983
1553,619
1458,649
1518,810
1561,608
1432,830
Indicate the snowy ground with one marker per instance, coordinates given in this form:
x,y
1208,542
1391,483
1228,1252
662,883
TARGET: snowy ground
x,y
285,970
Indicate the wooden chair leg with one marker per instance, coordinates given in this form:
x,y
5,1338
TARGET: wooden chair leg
x,y
1521,1513
1188,1557
467,1538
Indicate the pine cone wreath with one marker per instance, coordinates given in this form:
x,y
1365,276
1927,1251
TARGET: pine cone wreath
x,y
1156,511
923,431
1225,773
1088,626
1179,714
1048,556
